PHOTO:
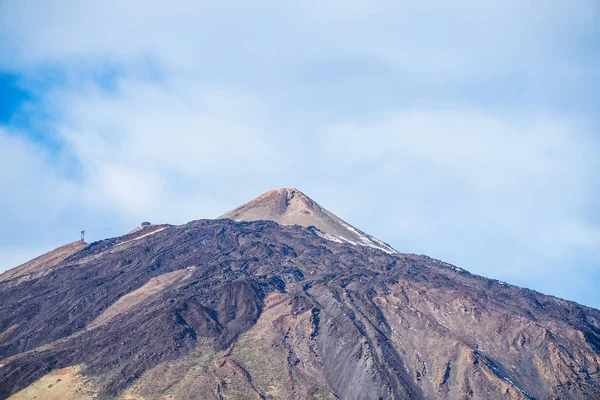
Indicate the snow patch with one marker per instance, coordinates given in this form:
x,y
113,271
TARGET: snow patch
x,y
327,236
364,240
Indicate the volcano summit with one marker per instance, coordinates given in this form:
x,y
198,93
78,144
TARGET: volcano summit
x,y
292,207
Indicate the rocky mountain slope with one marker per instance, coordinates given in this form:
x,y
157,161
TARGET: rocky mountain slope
x,y
40,265
219,309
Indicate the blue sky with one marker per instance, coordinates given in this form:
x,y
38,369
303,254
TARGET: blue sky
x,y
465,130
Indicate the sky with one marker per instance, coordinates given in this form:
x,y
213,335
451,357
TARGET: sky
x,y
465,130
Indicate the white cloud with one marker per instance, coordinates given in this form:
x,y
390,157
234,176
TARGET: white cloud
x,y
29,181
136,143
474,188
433,41
33,196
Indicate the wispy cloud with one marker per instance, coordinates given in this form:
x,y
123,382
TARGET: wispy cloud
x,y
465,185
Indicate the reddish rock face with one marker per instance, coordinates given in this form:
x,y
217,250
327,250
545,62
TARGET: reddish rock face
x,y
236,310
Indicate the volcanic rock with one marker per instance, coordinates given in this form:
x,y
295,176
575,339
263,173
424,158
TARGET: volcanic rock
x,y
224,309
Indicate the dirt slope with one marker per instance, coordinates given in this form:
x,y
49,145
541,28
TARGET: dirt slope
x,y
292,207
44,262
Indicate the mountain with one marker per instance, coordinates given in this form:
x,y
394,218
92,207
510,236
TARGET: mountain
x,y
225,309
292,207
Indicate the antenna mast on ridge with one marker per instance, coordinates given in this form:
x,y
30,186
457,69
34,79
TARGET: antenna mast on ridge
x,y
82,236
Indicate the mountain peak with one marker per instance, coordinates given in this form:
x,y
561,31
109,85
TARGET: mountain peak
x,y
282,202
289,206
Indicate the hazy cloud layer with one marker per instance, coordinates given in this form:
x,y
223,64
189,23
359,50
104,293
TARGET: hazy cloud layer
x,y
464,130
